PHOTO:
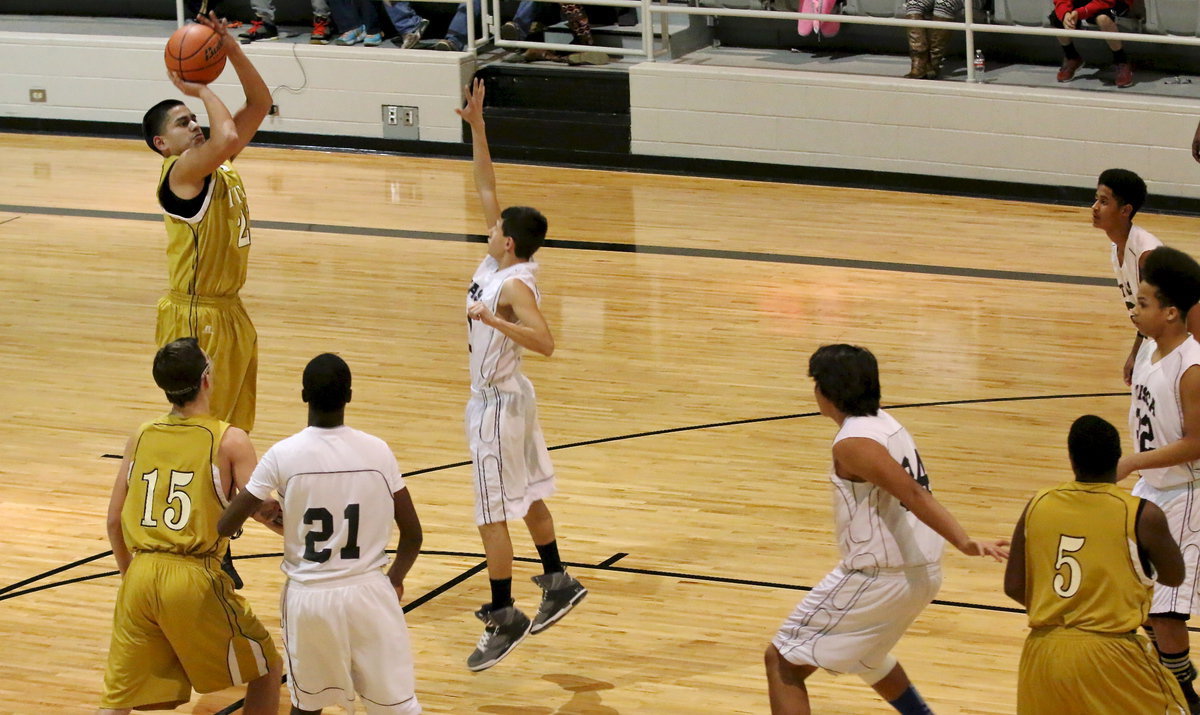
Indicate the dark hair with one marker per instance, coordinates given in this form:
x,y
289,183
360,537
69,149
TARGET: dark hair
x,y
847,376
1095,448
155,117
178,367
1126,186
526,227
326,383
1175,277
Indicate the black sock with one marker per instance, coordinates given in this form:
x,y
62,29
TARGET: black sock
x,y
910,702
1119,57
501,592
1070,51
551,563
1181,667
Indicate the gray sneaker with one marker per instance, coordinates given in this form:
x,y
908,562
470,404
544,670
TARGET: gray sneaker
x,y
503,629
409,40
560,593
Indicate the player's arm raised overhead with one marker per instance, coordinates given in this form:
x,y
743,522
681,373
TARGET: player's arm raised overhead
x,y
1154,536
481,155
258,97
116,502
411,537
1014,570
188,174
868,460
1181,451
530,331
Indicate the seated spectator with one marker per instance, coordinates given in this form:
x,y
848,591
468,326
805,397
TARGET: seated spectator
x,y
264,27
358,21
1069,14
410,26
575,16
926,47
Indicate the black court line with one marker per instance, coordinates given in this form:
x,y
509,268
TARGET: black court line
x,y
611,247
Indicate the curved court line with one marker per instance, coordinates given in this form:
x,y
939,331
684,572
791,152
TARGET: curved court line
x,y
8,591
612,247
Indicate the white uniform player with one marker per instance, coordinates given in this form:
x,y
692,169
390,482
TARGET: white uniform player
x,y
1156,420
512,465
889,572
343,627
1127,264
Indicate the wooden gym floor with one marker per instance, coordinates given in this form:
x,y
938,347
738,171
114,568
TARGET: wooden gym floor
x,y
693,500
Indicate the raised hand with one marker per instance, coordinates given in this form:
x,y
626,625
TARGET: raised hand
x,y
472,112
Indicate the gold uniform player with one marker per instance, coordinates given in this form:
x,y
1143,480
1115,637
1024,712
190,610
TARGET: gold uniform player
x,y
1081,559
178,624
208,229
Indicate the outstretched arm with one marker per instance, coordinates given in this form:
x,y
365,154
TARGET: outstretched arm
x,y
869,461
481,156
243,506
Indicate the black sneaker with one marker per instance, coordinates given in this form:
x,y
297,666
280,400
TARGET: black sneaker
x,y
512,32
260,31
503,629
227,567
560,593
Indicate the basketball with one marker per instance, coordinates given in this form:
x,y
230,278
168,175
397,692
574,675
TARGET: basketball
x,y
196,53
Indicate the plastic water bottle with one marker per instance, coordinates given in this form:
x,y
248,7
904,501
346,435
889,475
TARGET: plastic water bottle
x,y
980,66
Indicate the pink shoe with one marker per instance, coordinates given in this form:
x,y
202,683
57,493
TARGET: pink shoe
x,y
827,29
805,27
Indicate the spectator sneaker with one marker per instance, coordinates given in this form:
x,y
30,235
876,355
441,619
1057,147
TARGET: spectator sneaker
x,y
260,32
352,37
1124,74
587,58
447,45
409,40
503,629
512,32
322,33
560,593
373,40
1070,66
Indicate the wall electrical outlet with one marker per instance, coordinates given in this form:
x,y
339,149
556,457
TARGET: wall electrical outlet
x,y
400,122
37,95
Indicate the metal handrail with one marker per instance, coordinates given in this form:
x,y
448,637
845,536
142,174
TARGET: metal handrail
x,y
490,27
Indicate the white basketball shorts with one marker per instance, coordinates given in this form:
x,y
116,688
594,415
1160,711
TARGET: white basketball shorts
x,y
345,637
1183,519
852,619
512,468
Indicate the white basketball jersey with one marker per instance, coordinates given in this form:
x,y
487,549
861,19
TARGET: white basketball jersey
x,y
495,358
873,528
335,486
1127,268
1156,411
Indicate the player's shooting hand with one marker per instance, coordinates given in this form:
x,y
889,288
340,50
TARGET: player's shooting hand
x,y
472,112
217,25
997,549
191,89
479,311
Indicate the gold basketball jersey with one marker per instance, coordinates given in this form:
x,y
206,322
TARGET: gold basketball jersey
x,y
1081,560
207,253
175,497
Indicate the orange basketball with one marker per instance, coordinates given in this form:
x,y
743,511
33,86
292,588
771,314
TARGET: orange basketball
x,y
196,53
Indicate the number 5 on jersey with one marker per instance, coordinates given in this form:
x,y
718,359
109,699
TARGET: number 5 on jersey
x,y
1070,572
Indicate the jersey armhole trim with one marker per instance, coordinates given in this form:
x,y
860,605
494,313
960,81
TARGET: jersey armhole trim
x,y
180,204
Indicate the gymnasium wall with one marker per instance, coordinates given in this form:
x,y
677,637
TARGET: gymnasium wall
x,y
951,129
114,79
792,118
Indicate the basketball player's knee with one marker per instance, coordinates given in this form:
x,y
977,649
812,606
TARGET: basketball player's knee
x,y
881,671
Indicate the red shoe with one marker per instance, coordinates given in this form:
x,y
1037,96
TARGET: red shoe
x,y
1124,74
1070,66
